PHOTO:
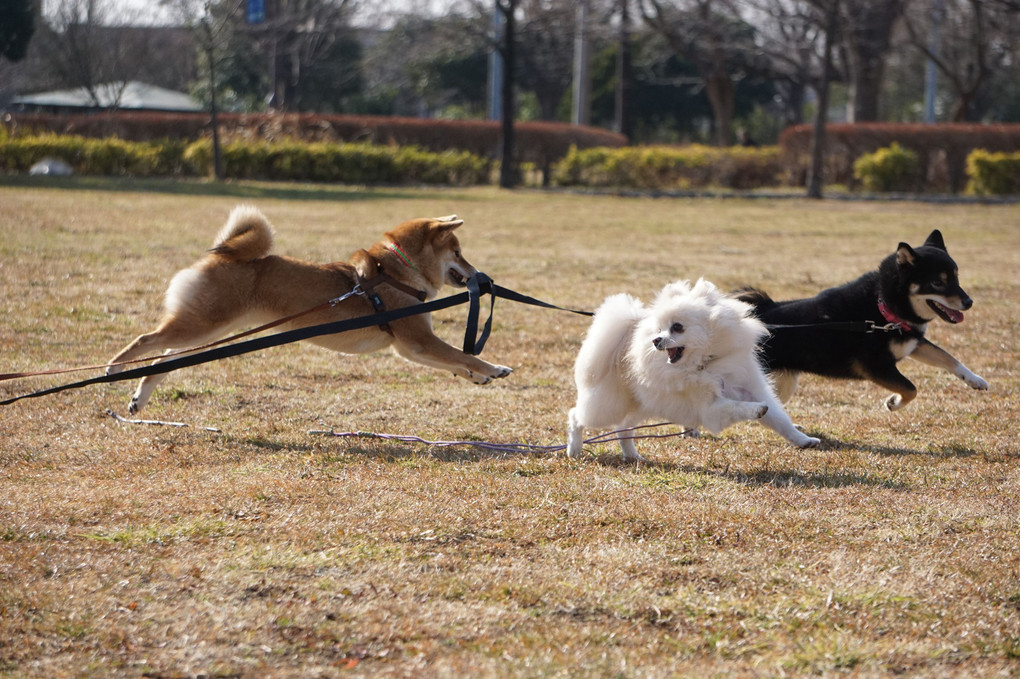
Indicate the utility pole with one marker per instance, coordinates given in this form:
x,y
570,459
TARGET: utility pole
x,y
621,110
496,69
931,76
581,109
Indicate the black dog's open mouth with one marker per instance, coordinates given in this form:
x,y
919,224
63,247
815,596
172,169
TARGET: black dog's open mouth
x,y
945,313
455,277
674,354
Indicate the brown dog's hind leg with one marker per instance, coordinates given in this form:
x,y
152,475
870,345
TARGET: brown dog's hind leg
x,y
172,333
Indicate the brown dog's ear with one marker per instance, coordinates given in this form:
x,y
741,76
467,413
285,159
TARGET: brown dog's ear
x,y
447,223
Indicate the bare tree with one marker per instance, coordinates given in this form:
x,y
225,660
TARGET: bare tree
x,y
978,39
867,28
89,49
790,37
799,39
297,35
712,35
545,36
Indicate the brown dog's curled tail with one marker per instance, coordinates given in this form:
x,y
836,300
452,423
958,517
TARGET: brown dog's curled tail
x,y
247,235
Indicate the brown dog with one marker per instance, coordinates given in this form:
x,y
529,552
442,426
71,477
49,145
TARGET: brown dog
x,y
238,283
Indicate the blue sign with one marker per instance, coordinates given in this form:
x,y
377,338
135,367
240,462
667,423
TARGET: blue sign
x,y
256,13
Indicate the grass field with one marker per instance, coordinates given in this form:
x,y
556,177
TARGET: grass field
x,y
263,549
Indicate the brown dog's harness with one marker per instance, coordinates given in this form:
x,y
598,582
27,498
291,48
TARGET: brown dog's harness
x,y
367,287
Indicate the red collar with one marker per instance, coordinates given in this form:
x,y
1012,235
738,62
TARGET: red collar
x,y
891,317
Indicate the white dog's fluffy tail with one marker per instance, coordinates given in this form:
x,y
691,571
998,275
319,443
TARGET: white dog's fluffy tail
x,y
608,338
247,235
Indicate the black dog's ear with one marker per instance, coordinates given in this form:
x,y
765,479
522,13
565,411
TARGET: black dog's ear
x,y
905,255
935,240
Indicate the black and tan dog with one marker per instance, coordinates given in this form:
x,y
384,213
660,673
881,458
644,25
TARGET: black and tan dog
x,y
912,287
238,283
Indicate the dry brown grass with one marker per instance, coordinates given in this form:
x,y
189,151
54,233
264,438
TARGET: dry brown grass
x,y
264,550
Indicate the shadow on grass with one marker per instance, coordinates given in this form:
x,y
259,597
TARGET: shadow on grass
x,y
236,189
780,477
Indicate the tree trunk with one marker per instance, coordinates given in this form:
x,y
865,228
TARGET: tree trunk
x,y
721,95
818,135
870,26
508,166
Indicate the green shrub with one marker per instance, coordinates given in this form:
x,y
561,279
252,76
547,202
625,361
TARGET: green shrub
x,y
893,168
669,167
993,173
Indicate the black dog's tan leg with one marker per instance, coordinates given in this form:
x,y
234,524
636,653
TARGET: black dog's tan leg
x,y
934,355
904,390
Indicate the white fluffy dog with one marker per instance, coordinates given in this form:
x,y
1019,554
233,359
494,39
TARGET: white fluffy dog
x,y
690,358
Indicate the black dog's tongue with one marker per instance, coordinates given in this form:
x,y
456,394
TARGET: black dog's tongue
x,y
951,315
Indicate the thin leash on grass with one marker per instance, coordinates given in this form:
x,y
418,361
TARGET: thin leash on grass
x,y
607,437
502,447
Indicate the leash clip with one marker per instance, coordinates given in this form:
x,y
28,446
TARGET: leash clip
x,y
356,291
888,327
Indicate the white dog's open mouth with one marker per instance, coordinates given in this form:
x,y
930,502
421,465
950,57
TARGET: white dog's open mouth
x,y
674,354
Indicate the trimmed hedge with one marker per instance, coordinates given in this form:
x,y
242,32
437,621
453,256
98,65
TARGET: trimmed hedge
x,y
941,149
993,173
541,143
94,156
671,168
352,163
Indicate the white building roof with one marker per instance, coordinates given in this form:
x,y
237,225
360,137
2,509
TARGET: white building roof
x,y
135,95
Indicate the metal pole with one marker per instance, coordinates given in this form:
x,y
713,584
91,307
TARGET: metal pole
x,y
930,71
581,108
496,69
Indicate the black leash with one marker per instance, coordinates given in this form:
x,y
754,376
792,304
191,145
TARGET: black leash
x,y
478,285
847,326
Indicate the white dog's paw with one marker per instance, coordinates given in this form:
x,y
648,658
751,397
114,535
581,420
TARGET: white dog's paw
x,y
501,371
808,442
634,457
975,381
691,433
894,402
